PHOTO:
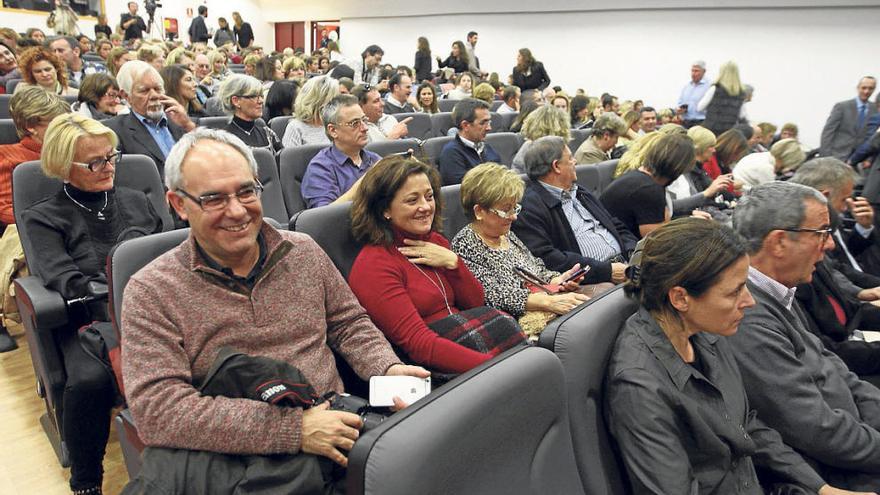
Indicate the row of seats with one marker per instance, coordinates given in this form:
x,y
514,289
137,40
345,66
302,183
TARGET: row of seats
x,y
529,421
4,104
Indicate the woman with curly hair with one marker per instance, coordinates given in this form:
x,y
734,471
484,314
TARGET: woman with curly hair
x,y
40,67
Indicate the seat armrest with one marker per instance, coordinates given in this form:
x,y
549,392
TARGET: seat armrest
x,y
45,307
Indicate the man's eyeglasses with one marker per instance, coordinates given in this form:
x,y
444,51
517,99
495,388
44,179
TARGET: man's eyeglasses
x,y
219,201
823,232
507,215
98,164
356,123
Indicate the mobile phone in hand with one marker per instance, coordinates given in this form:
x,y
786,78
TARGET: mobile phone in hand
x,y
574,276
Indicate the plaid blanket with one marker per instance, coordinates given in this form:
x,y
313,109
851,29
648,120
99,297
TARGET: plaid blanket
x,y
482,329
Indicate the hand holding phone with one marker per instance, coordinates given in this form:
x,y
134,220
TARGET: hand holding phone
x,y
383,389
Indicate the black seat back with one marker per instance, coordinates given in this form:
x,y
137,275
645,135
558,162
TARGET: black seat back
x,y
588,178
4,106
330,227
293,163
583,340
500,428
446,105
578,136
441,122
279,125
272,199
498,123
385,148
606,173
432,148
8,134
454,218
506,144
419,127
214,122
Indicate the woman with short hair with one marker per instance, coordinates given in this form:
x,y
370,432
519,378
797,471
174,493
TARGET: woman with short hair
x,y
547,120
490,196
528,72
153,55
75,230
307,127
675,401
294,68
99,97
181,56
242,97
694,189
755,169
41,68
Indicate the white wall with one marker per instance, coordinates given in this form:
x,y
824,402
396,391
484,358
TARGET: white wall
x,y
800,61
250,10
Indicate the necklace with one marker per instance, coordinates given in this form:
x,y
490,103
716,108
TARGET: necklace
x,y
100,212
441,287
499,244
242,129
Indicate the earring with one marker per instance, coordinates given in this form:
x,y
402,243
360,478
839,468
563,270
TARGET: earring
x,y
387,217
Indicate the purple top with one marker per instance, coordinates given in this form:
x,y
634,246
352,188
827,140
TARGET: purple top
x,y
331,173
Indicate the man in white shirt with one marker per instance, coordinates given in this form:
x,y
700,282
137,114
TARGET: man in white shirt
x,y
510,95
400,88
381,127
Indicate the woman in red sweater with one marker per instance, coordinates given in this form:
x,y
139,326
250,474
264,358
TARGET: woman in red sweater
x,y
406,277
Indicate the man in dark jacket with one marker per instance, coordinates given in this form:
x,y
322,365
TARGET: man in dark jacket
x,y
198,31
468,149
564,224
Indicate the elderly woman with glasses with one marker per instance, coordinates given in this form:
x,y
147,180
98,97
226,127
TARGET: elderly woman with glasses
x,y
490,195
242,98
99,97
307,127
75,229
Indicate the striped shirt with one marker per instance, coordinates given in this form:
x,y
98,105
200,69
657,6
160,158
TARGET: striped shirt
x,y
785,295
594,240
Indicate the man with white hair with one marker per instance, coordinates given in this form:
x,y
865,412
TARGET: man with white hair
x,y
691,94
156,121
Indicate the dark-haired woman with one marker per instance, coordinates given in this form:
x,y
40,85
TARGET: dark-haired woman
x,y
99,97
457,59
529,73
181,85
422,64
675,400
406,276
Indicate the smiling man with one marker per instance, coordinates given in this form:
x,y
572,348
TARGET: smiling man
x,y
798,387
230,284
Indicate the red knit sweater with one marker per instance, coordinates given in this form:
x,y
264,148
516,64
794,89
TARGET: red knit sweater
x,y
10,156
401,301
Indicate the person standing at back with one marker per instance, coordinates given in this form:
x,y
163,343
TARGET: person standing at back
x,y
845,127
198,31
723,101
132,23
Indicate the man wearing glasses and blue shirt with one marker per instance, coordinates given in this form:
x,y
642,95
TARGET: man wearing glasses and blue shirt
x,y
798,387
237,282
334,173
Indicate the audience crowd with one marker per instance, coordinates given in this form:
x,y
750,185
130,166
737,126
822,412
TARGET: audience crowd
x,y
752,361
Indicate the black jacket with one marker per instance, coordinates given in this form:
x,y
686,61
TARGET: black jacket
x,y
134,138
545,230
457,64
422,67
198,32
537,78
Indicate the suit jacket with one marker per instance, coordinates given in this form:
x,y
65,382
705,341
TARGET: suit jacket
x,y
198,32
544,228
134,138
807,394
842,133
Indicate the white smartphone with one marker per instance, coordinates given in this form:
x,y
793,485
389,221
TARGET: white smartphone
x,y
383,389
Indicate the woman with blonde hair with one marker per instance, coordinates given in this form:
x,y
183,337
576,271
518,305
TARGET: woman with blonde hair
x,y
484,92
694,189
41,68
490,196
118,56
723,101
307,127
153,55
546,120
76,228
635,154
181,56
219,69
631,119
294,68
755,169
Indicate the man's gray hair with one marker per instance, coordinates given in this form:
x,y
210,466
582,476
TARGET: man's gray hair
x,y
237,85
772,206
541,155
825,172
71,41
330,113
132,71
177,155
609,122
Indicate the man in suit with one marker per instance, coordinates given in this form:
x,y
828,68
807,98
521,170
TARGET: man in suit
x,y
563,223
468,149
845,127
156,121
198,31
797,386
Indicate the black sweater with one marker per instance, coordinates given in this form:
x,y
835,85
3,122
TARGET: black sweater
x,y
72,243
537,78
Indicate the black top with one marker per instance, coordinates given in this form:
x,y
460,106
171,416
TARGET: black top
x,y
245,35
255,136
422,66
136,30
635,199
457,64
73,242
103,29
198,31
534,78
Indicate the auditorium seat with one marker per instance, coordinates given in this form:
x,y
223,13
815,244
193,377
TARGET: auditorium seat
x,y
8,134
583,340
214,122
497,124
606,173
440,123
454,218
124,261
272,198
392,146
44,311
292,164
279,124
507,119
506,144
93,57
11,84
500,428
432,148
4,106
419,127
588,178
578,136
330,227
446,105
496,105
